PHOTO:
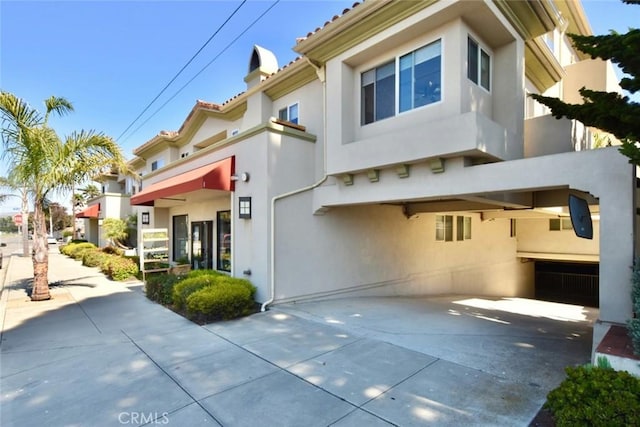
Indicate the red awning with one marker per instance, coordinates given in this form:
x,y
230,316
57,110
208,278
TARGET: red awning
x,y
90,212
215,176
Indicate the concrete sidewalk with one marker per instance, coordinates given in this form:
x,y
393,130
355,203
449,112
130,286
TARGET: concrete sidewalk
x,y
100,354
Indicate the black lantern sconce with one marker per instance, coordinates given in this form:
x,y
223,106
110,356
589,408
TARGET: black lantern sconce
x,y
244,207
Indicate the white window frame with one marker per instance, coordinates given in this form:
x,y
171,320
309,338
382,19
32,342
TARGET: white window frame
x,y
477,79
397,77
157,164
285,113
560,224
444,228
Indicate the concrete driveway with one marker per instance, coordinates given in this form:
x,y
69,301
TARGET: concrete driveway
x,y
100,354
516,339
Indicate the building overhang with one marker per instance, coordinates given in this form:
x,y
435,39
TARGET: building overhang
x,y
214,176
90,212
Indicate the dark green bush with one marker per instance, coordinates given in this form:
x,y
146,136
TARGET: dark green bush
x,y
120,268
633,325
159,287
188,285
224,300
596,396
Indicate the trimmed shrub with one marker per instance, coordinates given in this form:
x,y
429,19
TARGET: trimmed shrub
x,y
159,287
187,286
225,300
199,273
71,248
120,268
93,258
596,396
80,249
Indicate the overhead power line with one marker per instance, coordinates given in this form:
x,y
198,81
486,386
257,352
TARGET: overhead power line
x,y
204,68
182,69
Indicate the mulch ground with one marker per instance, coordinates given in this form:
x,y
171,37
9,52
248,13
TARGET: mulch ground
x,y
543,419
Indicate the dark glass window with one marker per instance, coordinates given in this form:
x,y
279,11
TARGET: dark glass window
x,y
420,77
378,93
478,64
224,240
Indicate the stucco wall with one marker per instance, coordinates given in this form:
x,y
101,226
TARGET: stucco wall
x,y
376,250
533,235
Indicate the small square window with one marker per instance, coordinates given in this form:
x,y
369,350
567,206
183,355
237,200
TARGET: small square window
x,y
289,113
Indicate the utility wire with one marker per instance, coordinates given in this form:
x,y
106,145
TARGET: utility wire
x,y
182,69
204,68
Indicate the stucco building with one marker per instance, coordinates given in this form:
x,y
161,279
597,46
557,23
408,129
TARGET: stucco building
x,y
400,155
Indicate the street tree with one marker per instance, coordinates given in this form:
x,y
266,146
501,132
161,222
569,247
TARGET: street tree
x,y
36,156
116,231
608,111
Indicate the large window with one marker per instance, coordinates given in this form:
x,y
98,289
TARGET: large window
x,y
420,77
419,83
478,64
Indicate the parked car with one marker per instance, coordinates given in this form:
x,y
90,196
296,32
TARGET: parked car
x,y
2,245
51,240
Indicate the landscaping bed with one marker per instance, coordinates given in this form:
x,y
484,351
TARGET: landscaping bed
x,y
110,260
592,396
203,296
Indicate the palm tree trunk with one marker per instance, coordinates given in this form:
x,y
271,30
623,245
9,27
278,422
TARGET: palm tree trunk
x,y
40,256
25,223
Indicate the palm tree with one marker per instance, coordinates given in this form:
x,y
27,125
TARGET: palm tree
x,y
37,157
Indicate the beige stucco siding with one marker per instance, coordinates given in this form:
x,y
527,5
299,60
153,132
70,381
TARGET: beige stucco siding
x,y
376,250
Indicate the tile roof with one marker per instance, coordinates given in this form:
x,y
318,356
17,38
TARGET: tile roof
x,y
335,17
218,107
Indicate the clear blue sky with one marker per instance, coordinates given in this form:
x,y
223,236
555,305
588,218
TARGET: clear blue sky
x,y
111,58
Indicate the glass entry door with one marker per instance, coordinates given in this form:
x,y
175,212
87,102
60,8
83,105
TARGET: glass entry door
x,y
202,245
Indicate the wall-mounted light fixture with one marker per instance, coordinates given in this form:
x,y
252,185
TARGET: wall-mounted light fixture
x,y
145,218
244,207
244,177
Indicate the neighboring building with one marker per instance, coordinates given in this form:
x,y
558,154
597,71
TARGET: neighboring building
x,y
113,202
400,155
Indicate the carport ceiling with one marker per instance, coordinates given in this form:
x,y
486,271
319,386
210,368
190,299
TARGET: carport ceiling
x,y
543,203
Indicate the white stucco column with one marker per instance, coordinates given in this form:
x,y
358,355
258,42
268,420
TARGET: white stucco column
x,y
617,244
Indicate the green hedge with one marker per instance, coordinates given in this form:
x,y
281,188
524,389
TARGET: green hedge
x,y
200,273
74,250
93,258
223,300
159,287
189,285
119,268
596,396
